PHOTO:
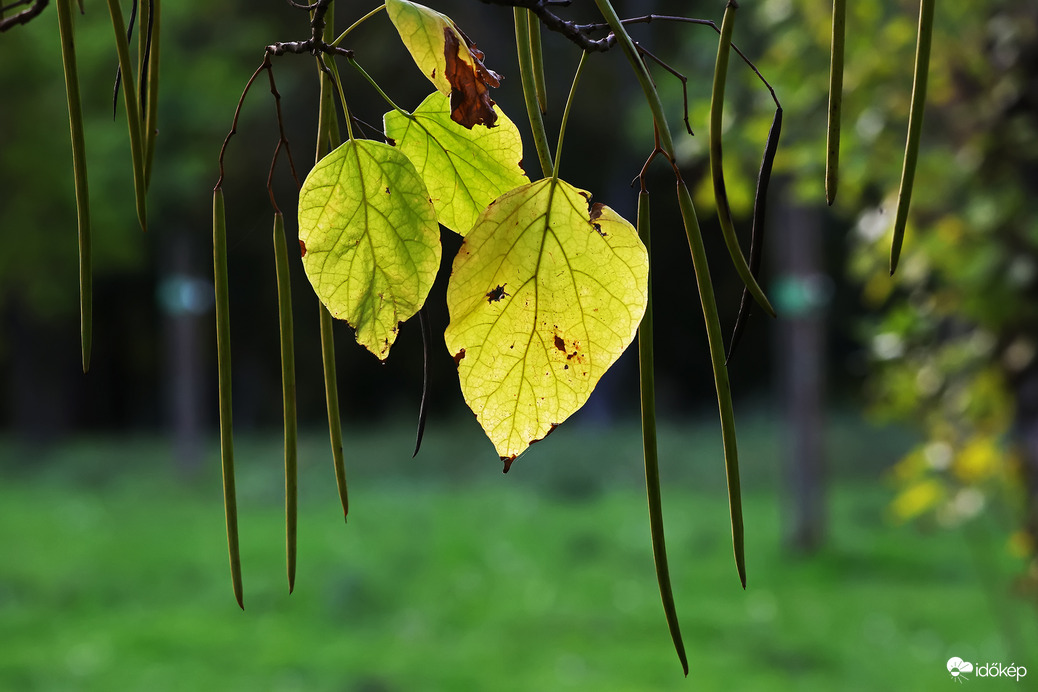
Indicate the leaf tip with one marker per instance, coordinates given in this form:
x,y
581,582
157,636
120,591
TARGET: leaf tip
x,y
508,462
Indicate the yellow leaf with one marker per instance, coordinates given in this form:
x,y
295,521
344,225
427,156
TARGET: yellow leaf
x,y
544,296
917,499
369,239
464,169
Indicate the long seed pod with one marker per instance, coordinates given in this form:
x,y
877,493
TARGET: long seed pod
x,y
915,128
832,138
133,116
331,393
760,203
527,74
151,110
646,368
328,139
724,213
288,396
423,410
75,119
223,351
724,392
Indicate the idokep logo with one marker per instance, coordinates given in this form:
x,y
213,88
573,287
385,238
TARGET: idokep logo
x,y
959,669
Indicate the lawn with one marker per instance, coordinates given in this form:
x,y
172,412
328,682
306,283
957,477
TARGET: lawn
x,y
452,576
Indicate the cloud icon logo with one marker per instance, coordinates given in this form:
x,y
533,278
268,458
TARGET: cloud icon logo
x,y
957,667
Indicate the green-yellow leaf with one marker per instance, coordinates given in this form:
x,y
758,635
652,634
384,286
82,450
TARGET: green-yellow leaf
x,y
421,30
369,239
544,296
464,169
450,61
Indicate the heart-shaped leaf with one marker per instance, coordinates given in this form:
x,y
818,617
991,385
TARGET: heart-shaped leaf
x,y
369,239
464,169
544,296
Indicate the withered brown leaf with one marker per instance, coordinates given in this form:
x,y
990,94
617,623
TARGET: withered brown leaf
x,y
470,83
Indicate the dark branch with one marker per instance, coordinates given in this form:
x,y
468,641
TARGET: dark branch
x,y
23,17
592,28
316,43
552,21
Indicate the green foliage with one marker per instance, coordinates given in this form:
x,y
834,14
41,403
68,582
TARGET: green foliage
x,y
448,579
544,296
464,169
369,240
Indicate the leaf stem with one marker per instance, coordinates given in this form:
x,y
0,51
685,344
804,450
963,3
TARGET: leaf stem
x,y
915,128
646,368
357,23
537,53
724,213
565,115
75,118
373,83
334,70
527,73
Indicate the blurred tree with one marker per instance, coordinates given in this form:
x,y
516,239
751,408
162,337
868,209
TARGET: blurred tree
x,y
953,343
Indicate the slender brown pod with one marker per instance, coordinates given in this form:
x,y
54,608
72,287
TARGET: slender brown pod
x,y
915,128
832,138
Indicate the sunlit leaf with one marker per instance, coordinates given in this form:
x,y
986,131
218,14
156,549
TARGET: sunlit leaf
x,y
449,59
369,239
464,169
544,296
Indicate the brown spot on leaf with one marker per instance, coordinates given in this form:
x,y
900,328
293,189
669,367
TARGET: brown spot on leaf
x,y
559,343
458,356
387,191
508,462
302,249
496,294
390,141
596,211
470,83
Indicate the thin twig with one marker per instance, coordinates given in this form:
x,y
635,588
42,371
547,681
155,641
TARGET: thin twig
x,y
646,19
684,80
23,17
237,113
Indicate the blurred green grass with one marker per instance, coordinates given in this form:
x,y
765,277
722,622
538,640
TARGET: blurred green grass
x,y
452,576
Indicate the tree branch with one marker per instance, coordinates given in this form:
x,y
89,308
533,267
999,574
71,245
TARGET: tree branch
x,y
571,30
23,17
